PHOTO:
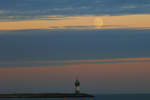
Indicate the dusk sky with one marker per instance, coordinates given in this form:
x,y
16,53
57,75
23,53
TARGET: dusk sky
x,y
46,44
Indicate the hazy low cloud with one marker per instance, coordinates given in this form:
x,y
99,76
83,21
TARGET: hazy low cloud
x,y
54,63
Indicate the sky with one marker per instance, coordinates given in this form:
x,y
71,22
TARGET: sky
x,y
46,44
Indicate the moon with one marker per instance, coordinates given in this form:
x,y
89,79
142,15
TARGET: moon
x,y
98,22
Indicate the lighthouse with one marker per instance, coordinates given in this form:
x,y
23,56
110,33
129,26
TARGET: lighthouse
x,y
77,86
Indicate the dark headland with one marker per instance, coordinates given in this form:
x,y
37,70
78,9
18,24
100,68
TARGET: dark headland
x,y
46,95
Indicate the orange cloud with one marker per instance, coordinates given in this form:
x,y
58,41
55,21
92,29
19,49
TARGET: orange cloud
x,y
81,22
38,63
127,21
108,60
58,23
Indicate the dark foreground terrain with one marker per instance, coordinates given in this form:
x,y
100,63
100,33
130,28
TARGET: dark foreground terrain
x,y
45,95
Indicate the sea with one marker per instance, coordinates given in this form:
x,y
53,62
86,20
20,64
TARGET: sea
x,y
96,97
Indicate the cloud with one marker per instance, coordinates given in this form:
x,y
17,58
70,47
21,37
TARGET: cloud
x,y
54,22
19,47
68,62
129,7
33,8
1,12
80,22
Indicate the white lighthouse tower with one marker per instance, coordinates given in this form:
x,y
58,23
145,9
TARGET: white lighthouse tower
x,y
77,86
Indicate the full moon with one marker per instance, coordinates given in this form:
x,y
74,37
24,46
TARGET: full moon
x,y
98,22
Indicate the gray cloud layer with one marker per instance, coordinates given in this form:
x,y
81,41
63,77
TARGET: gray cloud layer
x,y
28,9
19,47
